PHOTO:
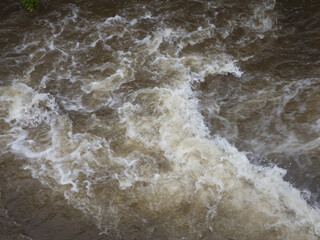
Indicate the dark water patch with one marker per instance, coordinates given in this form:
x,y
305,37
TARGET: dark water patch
x,y
32,211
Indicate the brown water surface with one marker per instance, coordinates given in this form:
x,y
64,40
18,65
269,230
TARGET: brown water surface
x,y
160,120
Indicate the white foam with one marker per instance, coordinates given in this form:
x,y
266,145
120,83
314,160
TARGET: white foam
x,y
25,105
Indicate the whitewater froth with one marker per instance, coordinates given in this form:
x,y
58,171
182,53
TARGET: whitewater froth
x,y
151,162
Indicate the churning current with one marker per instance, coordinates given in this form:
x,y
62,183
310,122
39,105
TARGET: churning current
x,y
186,119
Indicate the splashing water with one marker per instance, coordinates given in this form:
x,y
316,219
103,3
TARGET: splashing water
x,y
129,114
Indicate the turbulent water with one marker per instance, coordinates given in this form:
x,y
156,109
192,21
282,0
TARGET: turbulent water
x,y
160,120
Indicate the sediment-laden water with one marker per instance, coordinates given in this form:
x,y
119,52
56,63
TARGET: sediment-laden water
x,y
160,120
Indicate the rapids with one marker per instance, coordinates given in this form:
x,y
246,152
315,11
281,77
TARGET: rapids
x,y
160,120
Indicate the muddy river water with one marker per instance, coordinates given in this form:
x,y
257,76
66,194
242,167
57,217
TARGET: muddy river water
x,y
186,119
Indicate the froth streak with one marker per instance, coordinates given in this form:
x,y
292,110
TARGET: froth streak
x,y
210,174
